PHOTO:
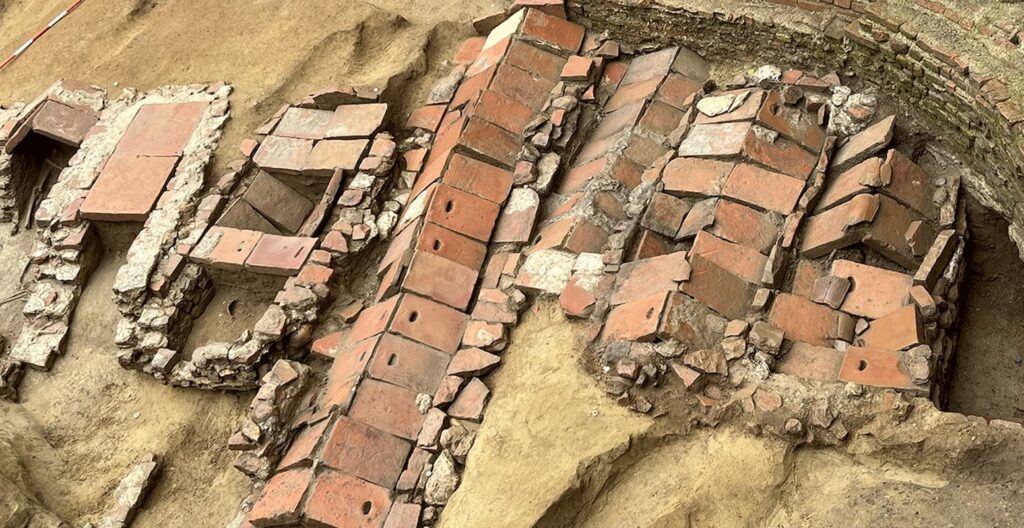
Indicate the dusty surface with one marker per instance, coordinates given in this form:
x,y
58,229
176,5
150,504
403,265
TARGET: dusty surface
x,y
989,371
543,458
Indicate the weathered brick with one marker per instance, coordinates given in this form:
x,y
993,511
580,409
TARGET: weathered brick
x,y
341,501
361,451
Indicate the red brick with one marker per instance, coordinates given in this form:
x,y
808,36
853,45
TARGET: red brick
x,y
387,407
696,177
553,30
661,119
742,261
61,123
472,362
356,120
327,346
838,227
665,214
644,151
440,279
743,225
127,188
462,212
361,451
520,85
654,65
279,255
483,334
578,69
780,154
872,366
469,404
937,259
517,217
898,330
555,8
429,323
303,447
876,292
161,129
631,94
470,88
637,320
468,50
762,188
891,233
373,320
746,111
650,244
805,321
426,117
678,91
575,234
908,184
403,515
281,498
312,274
341,501
491,141
724,139
811,362
231,249
346,371
643,278
621,119
724,292
501,110
865,143
577,298
451,245
478,178
408,364
330,155
535,60
701,215
848,184
791,122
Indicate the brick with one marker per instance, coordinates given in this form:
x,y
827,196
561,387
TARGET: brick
x,y
745,111
724,292
283,206
742,225
636,93
555,31
665,214
637,320
643,278
327,346
650,244
387,407
515,225
408,364
660,119
240,215
724,139
346,371
578,69
742,261
429,323
889,233
810,362
478,178
303,447
555,8
522,86
839,227
851,182
696,177
462,212
440,279
762,188
937,259
655,65
61,123
897,331
403,515
332,154
472,362
356,121
805,321
578,297
491,141
535,60
426,117
361,451
483,334
617,121
830,291
451,245
468,50
280,500
160,130
644,151
279,255
342,501
779,153
575,234
374,319
230,249
470,403
678,91
504,112
875,367
908,183
303,123
283,155
701,215
127,188
691,64
876,292
791,122
865,143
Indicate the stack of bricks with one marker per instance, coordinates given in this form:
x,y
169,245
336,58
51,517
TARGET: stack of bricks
x,y
400,375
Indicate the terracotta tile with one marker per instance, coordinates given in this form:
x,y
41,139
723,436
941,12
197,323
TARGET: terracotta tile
x,y
403,515
650,244
701,215
889,233
468,50
535,60
491,141
762,188
280,255
339,500
517,217
469,90
654,65
898,330
230,249
161,129
909,184
127,188
810,362
501,110
281,498
408,364
429,322
62,123
865,143
553,30
691,64
841,188
617,121
374,319
725,139
303,448
646,277
742,261
808,322
361,451
678,90
303,123
520,85
875,292
276,201
661,119
872,366
838,227
807,272
387,407
791,122
632,94
283,155
936,260
478,178
741,224
665,214
696,177
779,153
426,117
470,403
451,245
346,371
440,279
332,154
637,320
578,69
724,292
644,151
489,56
462,212
578,176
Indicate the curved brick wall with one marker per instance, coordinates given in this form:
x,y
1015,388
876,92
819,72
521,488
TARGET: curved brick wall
x,y
966,96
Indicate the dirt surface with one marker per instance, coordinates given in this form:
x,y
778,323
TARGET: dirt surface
x,y
554,451
988,375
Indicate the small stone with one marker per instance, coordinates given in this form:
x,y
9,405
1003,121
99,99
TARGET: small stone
x,y
766,337
443,480
794,427
736,328
767,401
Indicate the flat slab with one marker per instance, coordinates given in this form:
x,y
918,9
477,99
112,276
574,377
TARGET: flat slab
x,y
161,129
277,202
62,123
225,247
127,188
279,255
